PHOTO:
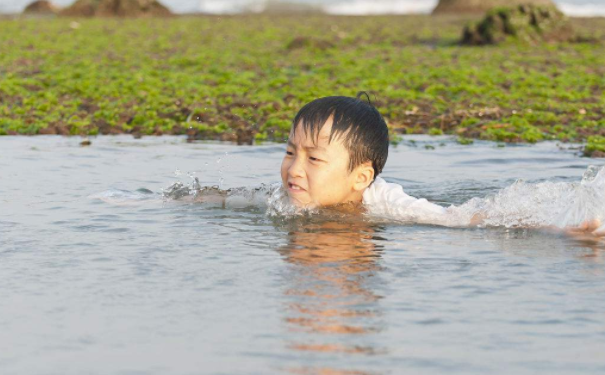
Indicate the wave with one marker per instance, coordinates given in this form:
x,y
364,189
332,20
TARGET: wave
x,y
544,204
347,7
593,9
370,7
520,205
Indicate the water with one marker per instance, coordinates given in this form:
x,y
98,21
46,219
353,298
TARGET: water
x,y
100,275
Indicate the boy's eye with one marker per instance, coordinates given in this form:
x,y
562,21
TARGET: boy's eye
x,y
314,159
289,153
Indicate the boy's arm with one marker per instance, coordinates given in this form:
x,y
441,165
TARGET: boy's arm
x,y
590,230
477,220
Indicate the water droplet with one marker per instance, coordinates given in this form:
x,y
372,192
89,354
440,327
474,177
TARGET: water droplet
x,y
177,172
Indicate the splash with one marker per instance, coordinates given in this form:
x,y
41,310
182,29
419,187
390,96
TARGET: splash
x,y
179,190
520,205
271,197
545,204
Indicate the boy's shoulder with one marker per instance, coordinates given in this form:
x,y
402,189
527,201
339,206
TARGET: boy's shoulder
x,y
381,191
388,199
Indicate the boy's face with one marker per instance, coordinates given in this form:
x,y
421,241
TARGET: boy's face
x,y
317,174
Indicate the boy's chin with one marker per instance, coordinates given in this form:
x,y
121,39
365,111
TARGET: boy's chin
x,y
302,204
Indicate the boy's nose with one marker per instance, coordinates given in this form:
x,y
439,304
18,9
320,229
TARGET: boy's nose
x,y
296,168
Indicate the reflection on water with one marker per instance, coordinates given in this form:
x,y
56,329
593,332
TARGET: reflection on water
x,y
331,295
546,243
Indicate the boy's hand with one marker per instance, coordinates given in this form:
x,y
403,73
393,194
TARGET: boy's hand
x,y
587,231
477,219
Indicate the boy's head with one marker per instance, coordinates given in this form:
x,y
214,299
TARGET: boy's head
x,y
337,147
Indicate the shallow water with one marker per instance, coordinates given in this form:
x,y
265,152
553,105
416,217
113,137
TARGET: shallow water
x,y
99,276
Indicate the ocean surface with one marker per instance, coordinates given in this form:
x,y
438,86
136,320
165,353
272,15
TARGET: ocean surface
x,y
105,270
580,8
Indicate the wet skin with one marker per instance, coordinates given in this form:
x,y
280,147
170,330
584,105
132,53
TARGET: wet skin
x,y
315,172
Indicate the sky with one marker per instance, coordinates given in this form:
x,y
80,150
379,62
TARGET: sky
x,y
571,7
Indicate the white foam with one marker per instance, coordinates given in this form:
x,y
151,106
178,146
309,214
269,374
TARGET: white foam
x,y
579,8
367,7
594,9
230,7
545,204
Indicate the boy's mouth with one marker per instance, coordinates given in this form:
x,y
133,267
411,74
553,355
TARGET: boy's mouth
x,y
294,188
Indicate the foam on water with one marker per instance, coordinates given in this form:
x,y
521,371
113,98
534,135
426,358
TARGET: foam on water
x,y
523,204
559,204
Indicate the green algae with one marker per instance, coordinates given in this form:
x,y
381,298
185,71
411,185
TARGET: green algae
x,y
243,78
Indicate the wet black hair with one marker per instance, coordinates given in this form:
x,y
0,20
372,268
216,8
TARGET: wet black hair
x,y
362,128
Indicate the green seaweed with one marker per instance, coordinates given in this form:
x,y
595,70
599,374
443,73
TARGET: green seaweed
x,y
595,146
241,79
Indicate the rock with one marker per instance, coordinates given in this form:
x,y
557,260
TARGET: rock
x,y
285,7
116,8
85,142
309,42
528,23
482,6
41,8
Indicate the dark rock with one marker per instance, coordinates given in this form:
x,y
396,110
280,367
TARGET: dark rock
x,y
527,23
482,6
593,153
309,42
116,8
41,8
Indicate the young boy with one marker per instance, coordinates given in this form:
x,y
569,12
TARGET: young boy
x,y
337,148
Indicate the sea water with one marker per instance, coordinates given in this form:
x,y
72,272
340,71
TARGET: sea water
x,y
110,265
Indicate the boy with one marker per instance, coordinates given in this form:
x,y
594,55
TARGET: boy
x,y
337,148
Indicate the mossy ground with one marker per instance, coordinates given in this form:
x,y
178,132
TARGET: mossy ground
x,y
243,78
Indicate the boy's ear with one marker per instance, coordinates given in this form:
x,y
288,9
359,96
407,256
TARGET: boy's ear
x,y
364,175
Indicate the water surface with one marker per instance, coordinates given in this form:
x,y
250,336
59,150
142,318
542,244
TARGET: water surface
x,y
131,284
